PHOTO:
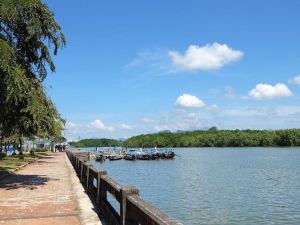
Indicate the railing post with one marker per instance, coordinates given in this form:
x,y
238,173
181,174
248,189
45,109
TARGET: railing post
x,y
100,173
102,190
124,193
87,178
76,164
81,170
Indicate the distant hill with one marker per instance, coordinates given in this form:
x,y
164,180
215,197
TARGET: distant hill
x,y
95,142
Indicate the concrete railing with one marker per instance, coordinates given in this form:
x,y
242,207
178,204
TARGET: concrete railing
x,y
133,209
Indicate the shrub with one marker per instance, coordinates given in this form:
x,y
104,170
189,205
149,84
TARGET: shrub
x,y
40,150
2,155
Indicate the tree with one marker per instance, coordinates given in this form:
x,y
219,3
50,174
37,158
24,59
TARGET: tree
x,y
213,129
28,26
220,138
28,32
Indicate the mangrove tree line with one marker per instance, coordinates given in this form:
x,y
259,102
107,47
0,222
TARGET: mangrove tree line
x,y
215,138
94,142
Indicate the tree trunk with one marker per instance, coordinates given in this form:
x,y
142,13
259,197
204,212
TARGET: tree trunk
x,y
21,150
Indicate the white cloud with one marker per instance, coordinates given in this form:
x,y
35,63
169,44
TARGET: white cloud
x,y
189,101
213,107
147,120
267,91
98,124
295,80
161,128
287,110
71,125
125,126
247,112
210,56
155,62
230,93
180,120
72,128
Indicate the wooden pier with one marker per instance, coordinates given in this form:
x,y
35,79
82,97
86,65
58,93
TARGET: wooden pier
x,y
133,209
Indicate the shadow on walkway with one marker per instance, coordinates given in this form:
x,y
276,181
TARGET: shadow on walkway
x,y
16,181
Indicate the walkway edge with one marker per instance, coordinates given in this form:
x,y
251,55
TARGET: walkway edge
x,y
86,209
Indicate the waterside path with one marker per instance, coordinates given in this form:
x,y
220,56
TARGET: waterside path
x,y
45,192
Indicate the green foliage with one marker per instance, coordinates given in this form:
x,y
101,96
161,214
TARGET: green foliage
x,y
215,138
28,32
28,26
10,163
2,155
103,142
40,150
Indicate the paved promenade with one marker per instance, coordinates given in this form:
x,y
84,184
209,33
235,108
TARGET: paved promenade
x,y
45,192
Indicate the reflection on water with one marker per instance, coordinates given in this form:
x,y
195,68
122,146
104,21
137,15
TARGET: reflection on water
x,y
219,185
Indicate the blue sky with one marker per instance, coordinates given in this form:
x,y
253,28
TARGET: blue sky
x,y
133,67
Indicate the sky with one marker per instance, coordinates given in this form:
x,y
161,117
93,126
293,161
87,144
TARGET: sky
x,y
137,66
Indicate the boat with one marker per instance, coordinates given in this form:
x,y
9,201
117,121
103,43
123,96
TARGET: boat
x,y
141,155
100,157
115,157
144,156
170,154
130,155
154,154
167,154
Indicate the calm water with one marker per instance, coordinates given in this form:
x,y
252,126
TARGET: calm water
x,y
219,185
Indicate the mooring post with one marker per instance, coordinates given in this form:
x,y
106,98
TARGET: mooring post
x,y
124,193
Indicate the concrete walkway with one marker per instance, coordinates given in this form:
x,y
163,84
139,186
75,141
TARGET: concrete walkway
x,y
44,193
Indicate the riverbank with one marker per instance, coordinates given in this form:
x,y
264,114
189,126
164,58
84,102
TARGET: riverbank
x,y
45,192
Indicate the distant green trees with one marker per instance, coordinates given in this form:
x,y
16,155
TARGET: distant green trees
x,y
28,33
103,142
218,138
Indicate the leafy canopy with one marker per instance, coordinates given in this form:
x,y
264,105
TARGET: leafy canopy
x,y
28,32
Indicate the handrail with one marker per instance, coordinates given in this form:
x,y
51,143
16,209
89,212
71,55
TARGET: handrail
x,y
133,209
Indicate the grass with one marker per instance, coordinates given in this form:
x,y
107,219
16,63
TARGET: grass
x,y
10,163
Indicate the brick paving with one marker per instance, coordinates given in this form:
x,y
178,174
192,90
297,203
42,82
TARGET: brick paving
x,y
39,194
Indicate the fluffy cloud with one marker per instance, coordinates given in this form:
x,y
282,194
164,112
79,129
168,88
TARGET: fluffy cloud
x,y
147,120
210,56
125,126
72,128
296,80
179,120
267,91
98,124
189,101
71,125
246,112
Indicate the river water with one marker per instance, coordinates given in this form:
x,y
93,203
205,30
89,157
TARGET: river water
x,y
219,185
